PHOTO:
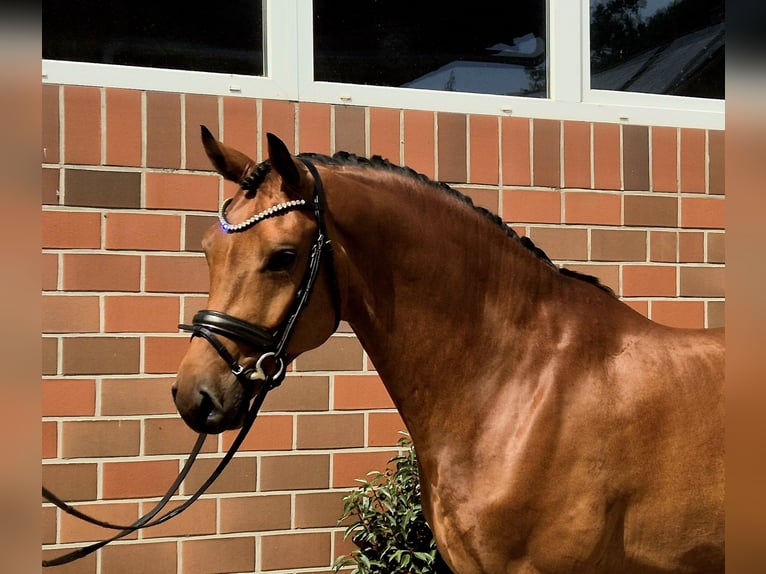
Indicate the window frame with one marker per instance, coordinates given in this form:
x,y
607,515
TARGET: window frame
x,y
289,70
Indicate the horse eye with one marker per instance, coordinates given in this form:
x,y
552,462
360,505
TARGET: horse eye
x,y
281,260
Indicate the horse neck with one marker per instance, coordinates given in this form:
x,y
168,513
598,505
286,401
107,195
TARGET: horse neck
x,y
429,283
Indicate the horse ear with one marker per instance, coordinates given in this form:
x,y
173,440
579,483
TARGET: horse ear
x,y
282,161
230,163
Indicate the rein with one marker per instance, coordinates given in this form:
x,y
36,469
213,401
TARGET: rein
x,y
208,324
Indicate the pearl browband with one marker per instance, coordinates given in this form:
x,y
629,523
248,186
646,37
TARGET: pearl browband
x,y
271,211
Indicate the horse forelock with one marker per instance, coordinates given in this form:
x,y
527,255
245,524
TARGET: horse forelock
x,y
377,162
251,182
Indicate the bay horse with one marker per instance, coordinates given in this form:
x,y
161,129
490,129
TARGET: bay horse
x,y
557,429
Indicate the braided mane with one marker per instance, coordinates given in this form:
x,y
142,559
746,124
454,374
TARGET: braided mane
x,y
343,158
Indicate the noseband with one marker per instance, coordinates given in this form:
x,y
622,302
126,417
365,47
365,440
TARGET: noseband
x,y
272,343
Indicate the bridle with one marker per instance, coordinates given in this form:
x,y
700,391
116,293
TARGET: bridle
x,y
209,325
273,343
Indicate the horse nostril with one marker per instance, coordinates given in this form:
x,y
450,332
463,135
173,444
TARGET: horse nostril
x,y
209,410
174,391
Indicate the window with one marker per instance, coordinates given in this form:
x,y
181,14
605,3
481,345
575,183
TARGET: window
x,y
673,47
657,62
155,34
491,48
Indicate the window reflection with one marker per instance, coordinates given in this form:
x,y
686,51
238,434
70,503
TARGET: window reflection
x,y
673,47
154,34
486,47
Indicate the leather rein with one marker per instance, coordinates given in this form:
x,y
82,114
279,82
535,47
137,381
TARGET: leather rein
x,y
209,325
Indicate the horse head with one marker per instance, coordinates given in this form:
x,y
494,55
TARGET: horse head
x,y
263,301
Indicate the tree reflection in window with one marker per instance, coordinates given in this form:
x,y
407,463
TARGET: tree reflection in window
x,y
673,47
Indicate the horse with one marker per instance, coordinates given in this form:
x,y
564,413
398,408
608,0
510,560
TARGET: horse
x,y
557,429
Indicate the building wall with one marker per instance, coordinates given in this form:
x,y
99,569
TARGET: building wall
x,y
127,193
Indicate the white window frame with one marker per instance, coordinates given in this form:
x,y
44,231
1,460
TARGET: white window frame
x,y
289,75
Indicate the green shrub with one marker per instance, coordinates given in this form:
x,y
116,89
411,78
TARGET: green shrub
x,y
387,523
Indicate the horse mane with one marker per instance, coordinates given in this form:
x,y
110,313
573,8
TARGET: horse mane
x,y
343,158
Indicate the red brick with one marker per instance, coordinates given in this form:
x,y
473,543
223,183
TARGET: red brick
x,y
71,482
74,529
703,212
546,153
49,271
123,127
154,558
138,479
68,397
639,306
101,272
143,231
314,127
198,519
419,142
139,396
215,555
181,274
164,354
255,513
269,432
485,152
716,162
664,158
240,125
561,243
606,156
295,550
50,123
50,439
693,160
383,429
318,509
349,466
330,431
577,154
648,280
239,475
100,355
182,191
360,392
82,125
49,186
608,275
691,247
299,393
592,208
295,472
199,110
525,206
70,314
278,118
172,436
690,314
385,133
350,130
702,281
163,130
663,246
516,151
71,230
141,313
335,354
618,245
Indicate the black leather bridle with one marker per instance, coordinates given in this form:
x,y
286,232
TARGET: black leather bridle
x,y
273,344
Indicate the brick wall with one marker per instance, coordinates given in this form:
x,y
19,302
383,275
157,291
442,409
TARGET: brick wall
x,y
127,194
